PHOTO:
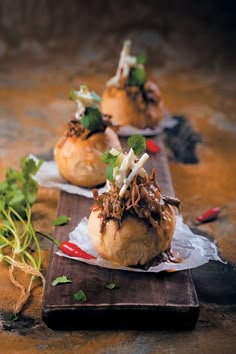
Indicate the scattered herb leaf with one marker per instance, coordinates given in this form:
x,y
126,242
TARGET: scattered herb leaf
x,y
92,119
61,280
137,143
80,296
111,286
61,220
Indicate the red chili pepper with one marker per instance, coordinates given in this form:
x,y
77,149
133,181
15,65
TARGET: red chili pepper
x,y
209,215
69,248
152,147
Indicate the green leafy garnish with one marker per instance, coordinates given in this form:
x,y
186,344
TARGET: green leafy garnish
x,y
72,94
141,59
80,296
137,143
61,280
19,187
137,77
61,220
92,119
111,286
111,160
107,157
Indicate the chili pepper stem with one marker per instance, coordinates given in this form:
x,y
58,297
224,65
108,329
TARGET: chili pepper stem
x,y
56,242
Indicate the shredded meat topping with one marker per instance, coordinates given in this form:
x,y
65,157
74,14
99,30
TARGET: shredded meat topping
x,y
143,199
146,98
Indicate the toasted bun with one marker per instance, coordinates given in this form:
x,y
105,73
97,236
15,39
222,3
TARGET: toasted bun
x,y
123,110
79,161
135,242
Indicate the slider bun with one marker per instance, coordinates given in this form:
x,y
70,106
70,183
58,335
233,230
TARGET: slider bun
x,y
135,242
79,161
123,110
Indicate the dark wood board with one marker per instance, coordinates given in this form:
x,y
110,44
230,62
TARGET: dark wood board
x,y
143,300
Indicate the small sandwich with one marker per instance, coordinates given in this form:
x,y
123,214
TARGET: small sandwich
x,y
88,135
133,222
129,97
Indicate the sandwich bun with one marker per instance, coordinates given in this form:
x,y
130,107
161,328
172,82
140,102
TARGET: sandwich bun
x,y
134,242
79,160
129,109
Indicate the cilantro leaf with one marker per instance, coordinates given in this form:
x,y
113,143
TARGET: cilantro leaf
x,y
80,296
19,187
137,143
111,160
141,59
72,94
61,220
92,119
111,286
61,280
109,172
137,77
107,157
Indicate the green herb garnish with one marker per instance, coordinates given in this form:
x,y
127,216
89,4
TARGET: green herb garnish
x,y
19,188
80,296
72,95
61,220
92,119
137,77
111,160
137,143
61,280
111,286
141,59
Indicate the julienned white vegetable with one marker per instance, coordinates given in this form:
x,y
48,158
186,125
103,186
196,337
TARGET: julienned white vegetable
x,y
127,163
126,62
84,99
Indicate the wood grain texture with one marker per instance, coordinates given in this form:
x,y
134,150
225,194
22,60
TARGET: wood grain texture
x,y
143,300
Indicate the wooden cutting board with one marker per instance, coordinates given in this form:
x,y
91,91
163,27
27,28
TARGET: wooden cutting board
x,y
143,300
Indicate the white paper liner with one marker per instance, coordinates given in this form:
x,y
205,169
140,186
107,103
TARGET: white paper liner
x,y
48,176
193,249
167,122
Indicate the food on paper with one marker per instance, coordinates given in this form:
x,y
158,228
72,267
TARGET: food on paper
x,y
131,223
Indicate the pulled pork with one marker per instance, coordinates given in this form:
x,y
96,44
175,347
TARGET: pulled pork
x,y
142,199
147,99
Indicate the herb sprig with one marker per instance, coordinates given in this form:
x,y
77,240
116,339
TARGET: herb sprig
x,y
137,75
19,187
136,142
17,236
